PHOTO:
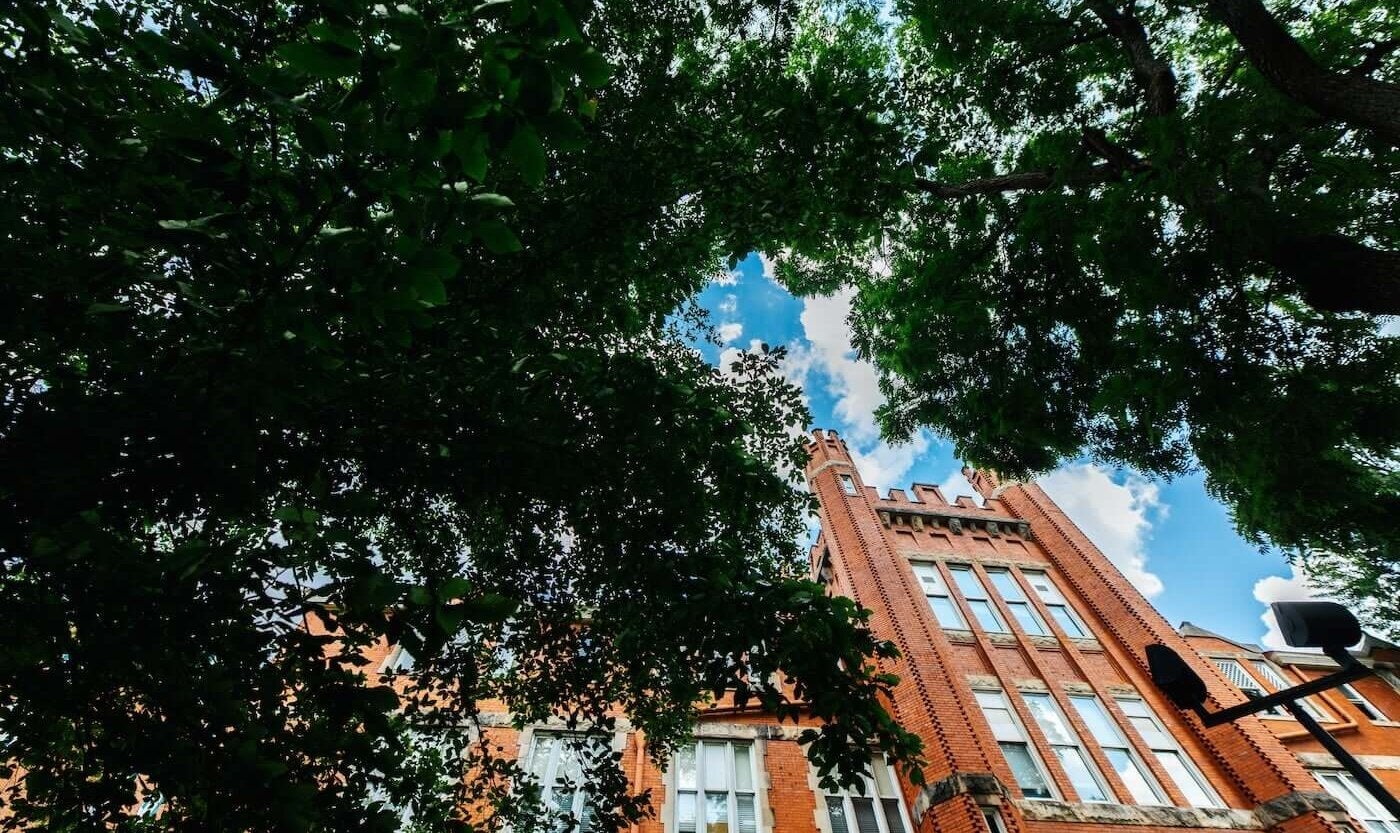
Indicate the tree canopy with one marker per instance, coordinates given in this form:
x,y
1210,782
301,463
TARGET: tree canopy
x,y
368,313
1158,235
379,314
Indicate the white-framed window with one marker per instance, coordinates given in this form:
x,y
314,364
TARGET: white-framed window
x,y
1169,754
1068,748
399,661
557,762
1274,677
714,782
1055,602
1120,753
1355,698
977,599
1015,745
1361,804
1021,608
848,484
945,610
878,808
1235,672
993,819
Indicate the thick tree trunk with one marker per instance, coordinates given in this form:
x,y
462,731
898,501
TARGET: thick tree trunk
x,y
1349,97
1338,274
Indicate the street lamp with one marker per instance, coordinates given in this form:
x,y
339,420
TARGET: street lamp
x,y
1325,625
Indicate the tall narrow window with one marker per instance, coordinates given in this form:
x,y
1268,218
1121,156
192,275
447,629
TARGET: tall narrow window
x,y
1251,688
715,788
1275,679
848,484
1361,804
878,808
1169,754
939,599
1065,743
977,600
1055,602
1366,706
1131,771
557,762
1014,745
399,661
1016,601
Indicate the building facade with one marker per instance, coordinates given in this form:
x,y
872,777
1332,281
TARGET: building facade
x,y
1022,669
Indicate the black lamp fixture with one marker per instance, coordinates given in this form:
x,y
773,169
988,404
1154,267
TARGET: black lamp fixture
x,y
1325,625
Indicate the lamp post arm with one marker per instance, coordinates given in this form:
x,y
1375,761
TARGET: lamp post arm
x,y
1285,697
1362,775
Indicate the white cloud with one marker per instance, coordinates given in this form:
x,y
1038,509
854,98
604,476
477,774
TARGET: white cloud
x,y
729,305
1298,587
729,331
852,382
827,357
728,277
1117,517
955,484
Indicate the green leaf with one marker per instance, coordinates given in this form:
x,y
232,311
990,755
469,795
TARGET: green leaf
x,y
592,67
497,237
320,59
470,148
493,200
527,152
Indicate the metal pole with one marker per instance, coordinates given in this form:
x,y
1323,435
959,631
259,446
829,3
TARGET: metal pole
x,y
1344,758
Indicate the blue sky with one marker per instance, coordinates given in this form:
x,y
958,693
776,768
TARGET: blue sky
x,y
1171,538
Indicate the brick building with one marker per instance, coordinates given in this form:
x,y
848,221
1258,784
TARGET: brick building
x,y
1023,671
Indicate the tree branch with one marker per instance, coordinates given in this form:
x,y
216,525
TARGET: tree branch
x,y
1353,98
1375,56
1022,181
1152,73
1338,274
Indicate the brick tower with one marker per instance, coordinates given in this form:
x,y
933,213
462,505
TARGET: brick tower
x,y
1023,671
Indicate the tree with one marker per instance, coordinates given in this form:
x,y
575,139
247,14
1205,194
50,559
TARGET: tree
x,y
363,315
1155,234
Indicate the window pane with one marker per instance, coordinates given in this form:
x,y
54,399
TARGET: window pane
x,y
946,612
1132,776
1080,776
1003,725
836,811
716,766
1006,585
743,769
1151,732
894,820
1184,780
1100,726
968,583
865,815
748,819
1067,621
539,758
986,616
685,812
570,769
716,812
1030,623
1027,774
1049,718
884,785
685,767
848,484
